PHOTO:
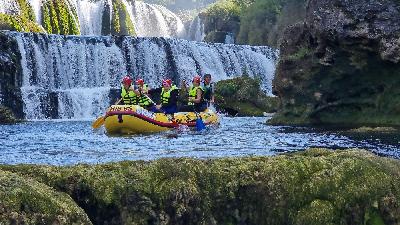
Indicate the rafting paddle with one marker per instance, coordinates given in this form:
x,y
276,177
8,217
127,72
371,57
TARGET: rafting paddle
x,y
100,121
199,123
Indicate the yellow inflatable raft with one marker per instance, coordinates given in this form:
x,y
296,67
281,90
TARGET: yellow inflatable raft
x,y
133,119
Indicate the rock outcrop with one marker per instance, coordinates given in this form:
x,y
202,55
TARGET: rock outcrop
x,y
242,96
317,186
10,79
341,65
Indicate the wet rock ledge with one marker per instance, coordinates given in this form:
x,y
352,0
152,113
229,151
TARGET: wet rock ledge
x,y
317,186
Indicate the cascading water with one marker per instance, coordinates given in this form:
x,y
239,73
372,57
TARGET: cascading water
x,y
149,19
67,77
196,30
154,20
36,6
9,7
90,15
70,77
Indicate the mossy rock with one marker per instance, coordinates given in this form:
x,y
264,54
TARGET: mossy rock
x,y
121,23
242,96
332,73
57,18
317,186
26,201
19,23
7,116
365,129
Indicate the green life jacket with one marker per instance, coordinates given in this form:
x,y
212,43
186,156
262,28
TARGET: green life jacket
x,y
143,99
129,98
166,95
193,94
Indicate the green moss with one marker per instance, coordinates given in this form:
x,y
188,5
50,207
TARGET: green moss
x,y
26,10
25,201
333,91
313,187
243,96
58,18
121,23
6,116
301,53
18,23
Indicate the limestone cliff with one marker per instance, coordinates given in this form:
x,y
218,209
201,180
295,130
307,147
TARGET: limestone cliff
x,y
341,65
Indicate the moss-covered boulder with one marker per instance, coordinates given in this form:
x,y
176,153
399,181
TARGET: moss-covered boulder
x,y
317,186
342,65
242,96
26,201
7,116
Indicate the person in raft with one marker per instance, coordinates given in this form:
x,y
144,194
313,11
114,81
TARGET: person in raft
x,y
196,101
168,97
208,88
142,95
128,95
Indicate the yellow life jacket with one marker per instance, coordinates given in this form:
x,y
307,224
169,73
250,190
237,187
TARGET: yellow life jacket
x,y
193,94
166,95
128,97
143,99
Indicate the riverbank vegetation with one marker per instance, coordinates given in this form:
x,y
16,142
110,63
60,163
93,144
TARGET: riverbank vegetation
x,y
242,96
317,186
254,22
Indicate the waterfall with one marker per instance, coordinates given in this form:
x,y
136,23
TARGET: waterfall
x,y
196,30
149,19
71,77
9,7
154,20
90,15
36,6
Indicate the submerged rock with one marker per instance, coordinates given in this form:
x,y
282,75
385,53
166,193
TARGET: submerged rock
x,y
373,129
342,65
317,186
242,96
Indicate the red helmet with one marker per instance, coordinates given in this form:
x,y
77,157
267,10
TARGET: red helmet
x,y
197,79
140,81
127,80
167,82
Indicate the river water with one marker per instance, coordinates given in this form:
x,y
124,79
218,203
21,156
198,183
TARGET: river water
x,y
72,142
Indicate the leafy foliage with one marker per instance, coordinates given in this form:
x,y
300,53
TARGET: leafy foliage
x,y
261,21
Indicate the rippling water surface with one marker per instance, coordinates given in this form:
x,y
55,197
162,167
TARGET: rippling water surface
x,y
72,142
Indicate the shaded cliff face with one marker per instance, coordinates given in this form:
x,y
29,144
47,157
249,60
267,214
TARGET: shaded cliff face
x,y
341,65
10,69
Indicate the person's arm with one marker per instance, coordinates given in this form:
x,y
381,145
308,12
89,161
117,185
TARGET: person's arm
x,y
199,93
212,93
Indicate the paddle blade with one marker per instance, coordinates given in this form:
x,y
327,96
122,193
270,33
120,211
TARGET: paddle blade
x,y
200,124
98,123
